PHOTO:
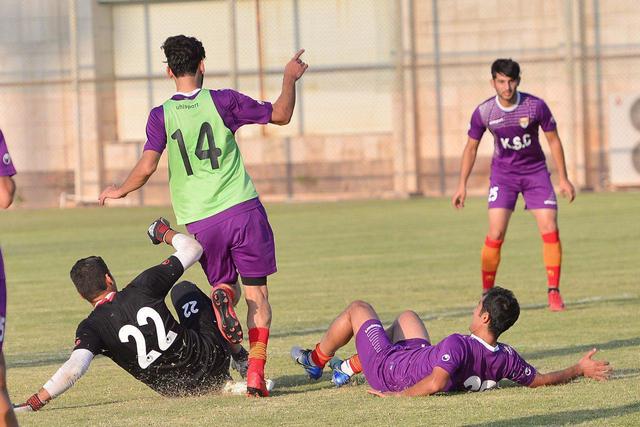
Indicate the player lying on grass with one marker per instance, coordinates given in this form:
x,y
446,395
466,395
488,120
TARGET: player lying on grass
x,y
402,361
135,329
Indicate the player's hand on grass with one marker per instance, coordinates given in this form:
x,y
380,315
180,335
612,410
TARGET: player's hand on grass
x,y
383,393
567,190
111,192
597,369
32,404
157,230
458,199
295,68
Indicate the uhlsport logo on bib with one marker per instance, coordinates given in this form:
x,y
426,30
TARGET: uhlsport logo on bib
x,y
446,357
6,159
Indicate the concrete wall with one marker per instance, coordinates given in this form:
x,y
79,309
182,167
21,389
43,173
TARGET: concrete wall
x,y
366,123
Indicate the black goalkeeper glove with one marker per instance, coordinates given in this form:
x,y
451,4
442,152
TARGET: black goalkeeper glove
x,y
31,405
157,230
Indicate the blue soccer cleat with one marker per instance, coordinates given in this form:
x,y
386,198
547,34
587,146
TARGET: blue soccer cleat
x,y
338,378
303,358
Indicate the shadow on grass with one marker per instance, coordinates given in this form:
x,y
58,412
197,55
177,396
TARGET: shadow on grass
x,y
583,348
567,417
88,405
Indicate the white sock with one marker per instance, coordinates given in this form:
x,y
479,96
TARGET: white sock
x,y
345,367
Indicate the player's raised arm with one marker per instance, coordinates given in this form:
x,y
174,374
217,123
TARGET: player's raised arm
x,y
283,107
597,369
65,377
557,152
188,250
468,159
138,176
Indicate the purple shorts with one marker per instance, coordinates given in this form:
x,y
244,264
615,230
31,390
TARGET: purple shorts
x,y
536,188
375,349
3,301
242,243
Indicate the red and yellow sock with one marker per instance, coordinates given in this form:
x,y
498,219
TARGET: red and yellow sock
x,y
552,255
319,358
490,257
258,339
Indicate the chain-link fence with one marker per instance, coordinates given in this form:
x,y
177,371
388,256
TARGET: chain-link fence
x,y
382,111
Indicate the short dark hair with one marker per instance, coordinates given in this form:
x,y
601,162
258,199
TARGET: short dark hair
x,y
503,309
88,276
508,67
183,54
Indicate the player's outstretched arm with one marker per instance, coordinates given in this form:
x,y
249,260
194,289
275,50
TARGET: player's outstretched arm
x,y
7,191
557,152
431,384
597,369
468,159
61,381
283,107
188,250
138,176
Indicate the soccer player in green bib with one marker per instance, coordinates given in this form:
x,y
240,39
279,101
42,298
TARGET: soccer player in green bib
x,y
213,194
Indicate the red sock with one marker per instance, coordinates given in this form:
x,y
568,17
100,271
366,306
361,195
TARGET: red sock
x,y
319,358
354,362
258,339
552,254
490,259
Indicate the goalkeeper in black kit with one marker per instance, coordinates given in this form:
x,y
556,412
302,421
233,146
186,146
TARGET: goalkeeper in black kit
x,y
134,327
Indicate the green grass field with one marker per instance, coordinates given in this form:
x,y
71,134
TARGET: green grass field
x,y
416,254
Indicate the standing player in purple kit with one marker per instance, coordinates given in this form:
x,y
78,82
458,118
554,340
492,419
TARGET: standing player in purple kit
x,y
402,361
212,192
518,166
7,190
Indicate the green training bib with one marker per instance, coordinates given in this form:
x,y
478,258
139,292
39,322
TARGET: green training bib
x,y
206,171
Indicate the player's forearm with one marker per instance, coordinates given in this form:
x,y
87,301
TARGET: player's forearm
x,y
138,177
557,377
557,152
468,160
284,105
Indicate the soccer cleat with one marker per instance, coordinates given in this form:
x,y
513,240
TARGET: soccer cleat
x,y
338,378
240,362
555,300
303,358
228,322
256,385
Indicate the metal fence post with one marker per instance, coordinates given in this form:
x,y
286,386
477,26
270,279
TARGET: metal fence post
x,y
438,90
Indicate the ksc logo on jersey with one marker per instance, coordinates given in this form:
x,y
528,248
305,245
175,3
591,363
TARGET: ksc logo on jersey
x,y
524,122
6,159
446,357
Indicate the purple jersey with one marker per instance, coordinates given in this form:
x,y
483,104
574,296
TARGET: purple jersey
x,y
472,364
235,109
517,147
6,165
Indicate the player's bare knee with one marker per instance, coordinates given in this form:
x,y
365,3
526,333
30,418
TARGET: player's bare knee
x,y
359,305
407,316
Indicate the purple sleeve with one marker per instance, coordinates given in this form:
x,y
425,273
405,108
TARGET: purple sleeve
x,y
476,125
518,370
451,354
238,110
156,133
6,164
547,122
